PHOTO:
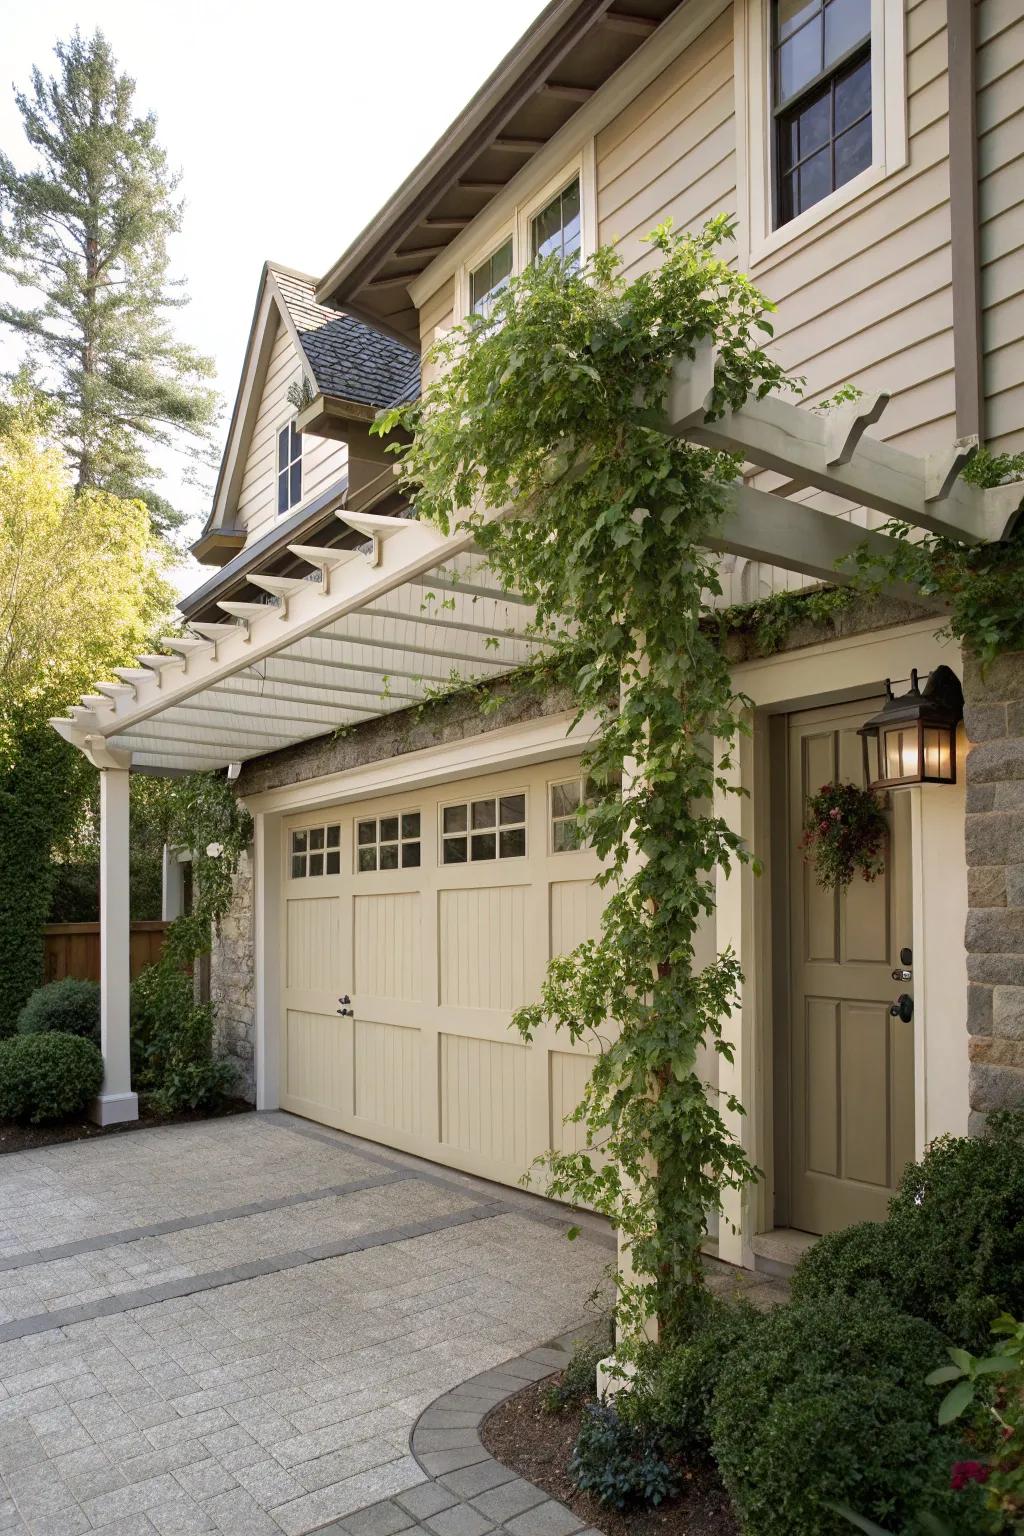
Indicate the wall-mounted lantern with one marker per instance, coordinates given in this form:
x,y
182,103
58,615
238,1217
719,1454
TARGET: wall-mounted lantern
x,y
912,739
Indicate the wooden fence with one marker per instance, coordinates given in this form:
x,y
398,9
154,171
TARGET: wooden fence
x,y
73,949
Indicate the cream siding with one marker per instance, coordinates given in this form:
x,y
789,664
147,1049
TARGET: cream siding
x,y
323,461
1001,196
436,317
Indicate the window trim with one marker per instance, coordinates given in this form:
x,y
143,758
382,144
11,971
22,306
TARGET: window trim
x,y
499,859
308,825
517,225
756,125
399,842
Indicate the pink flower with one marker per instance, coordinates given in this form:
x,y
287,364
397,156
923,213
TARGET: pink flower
x,y
835,813
964,1472
822,826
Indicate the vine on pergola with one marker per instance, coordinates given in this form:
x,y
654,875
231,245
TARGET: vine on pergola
x,y
554,405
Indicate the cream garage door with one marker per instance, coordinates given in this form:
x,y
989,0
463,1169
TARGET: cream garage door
x,y
436,913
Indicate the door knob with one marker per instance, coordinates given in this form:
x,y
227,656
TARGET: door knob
x,y
903,1008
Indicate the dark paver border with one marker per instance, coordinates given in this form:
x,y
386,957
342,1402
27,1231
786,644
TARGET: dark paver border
x,y
467,1491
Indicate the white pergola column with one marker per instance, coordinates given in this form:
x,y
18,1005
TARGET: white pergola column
x,y
116,1100
172,885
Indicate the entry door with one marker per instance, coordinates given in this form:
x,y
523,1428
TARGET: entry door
x,y
851,1063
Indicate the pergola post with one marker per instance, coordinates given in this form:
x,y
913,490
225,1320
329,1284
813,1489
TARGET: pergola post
x,y
172,885
116,1100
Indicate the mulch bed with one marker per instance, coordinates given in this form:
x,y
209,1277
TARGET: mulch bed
x,y
538,1446
23,1138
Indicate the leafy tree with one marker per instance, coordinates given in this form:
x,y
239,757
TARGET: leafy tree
x,y
85,231
81,588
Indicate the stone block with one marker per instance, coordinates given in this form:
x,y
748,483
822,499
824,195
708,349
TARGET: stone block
x,y
995,837
994,1087
1015,885
992,762
980,797
996,970
979,1008
986,886
1008,796
1007,1012
1015,718
1002,679
995,931
985,722
999,1053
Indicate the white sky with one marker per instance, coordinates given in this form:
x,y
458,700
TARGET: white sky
x,y
291,125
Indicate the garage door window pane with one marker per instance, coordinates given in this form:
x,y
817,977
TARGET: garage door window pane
x,y
455,818
316,837
389,842
484,845
298,842
497,825
367,859
367,832
333,862
410,855
298,866
316,863
484,813
334,837
512,810
512,842
455,850
411,824
307,857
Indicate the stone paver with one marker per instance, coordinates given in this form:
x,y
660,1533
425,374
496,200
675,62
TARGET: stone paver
x,y
279,1393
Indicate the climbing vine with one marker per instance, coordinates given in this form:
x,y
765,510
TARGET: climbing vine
x,y
554,405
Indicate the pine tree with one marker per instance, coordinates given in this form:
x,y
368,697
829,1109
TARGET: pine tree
x,y
85,231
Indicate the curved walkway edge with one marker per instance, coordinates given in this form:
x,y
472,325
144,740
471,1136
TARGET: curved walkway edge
x,y
468,1492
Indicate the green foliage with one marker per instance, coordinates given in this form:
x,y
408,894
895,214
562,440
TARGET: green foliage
x,y
845,833
671,1397
578,1382
554,406
69,1007
990,1389
172,1043
616,1463
826,1404
771,620
84,232
988,469
952,1249
48,1076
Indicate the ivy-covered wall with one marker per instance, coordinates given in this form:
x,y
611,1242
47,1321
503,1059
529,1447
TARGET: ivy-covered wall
x,y
994,719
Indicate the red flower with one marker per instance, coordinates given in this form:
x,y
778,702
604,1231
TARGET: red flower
x,y
964,1472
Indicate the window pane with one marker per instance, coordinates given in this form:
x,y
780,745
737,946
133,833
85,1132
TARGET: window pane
x,y
512,842
296,484
512,808
296,443
367,832
367,858
455,818
410,855
798,59
484,845
455,850
298,842
316,837
813,126
571,221
298,866
334,837
316,863
565,835
565,797
847,23
788,197
411,824
790,14
815,179
389,855
483,813
283,456
389,829
490,278
853,151
853,95
282,491
547,231
333,862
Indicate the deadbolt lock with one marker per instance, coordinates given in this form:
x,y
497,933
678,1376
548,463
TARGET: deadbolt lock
x,y
902,975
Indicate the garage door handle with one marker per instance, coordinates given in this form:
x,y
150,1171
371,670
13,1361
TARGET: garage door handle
x,y
346,1013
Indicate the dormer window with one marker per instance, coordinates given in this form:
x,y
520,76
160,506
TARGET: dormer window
x,y
488,280
289,468
556,229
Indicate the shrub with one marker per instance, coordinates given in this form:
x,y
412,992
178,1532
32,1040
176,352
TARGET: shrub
x,y
675,1383
952,1249
578,1382
47,1076
827,1404
172,1044
617,1463
70,1007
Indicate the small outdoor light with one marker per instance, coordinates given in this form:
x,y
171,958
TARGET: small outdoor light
x,y
912,739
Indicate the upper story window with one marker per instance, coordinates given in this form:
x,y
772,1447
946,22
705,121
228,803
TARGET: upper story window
x,y
289,468
488,280
556,230
821,99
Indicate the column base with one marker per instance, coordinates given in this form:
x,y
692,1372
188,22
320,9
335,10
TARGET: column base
x,y
113,1108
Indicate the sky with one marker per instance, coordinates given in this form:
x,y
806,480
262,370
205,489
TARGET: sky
x,y
291,125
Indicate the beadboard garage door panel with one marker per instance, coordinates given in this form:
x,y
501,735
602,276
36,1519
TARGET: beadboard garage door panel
x,y
436,956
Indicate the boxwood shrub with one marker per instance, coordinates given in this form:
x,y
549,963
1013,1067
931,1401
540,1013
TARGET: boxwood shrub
x,y
826,1401
952,1249
70,1007
47,1076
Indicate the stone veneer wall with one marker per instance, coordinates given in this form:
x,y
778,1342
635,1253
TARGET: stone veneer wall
x,y
994,719
233,982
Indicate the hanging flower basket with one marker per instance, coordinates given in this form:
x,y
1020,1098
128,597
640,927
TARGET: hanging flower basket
x,y
845,834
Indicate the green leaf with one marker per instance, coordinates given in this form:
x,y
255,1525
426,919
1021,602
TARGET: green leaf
x,y
954,1402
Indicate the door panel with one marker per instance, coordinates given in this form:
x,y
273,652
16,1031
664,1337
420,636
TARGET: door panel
x,y
851,1064
436,954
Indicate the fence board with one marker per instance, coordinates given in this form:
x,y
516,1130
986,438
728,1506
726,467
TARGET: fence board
x,y
73,949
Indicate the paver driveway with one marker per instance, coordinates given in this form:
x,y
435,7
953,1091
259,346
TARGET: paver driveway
x,y
232,1326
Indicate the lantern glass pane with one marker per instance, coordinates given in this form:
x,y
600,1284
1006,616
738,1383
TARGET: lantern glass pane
x,y
902,755
937,757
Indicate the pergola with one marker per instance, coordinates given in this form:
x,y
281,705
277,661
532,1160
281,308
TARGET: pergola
x,y
412,610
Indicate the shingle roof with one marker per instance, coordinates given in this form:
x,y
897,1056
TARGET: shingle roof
x,y
347,358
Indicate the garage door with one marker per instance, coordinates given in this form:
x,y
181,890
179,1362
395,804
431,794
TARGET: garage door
x,y
436,914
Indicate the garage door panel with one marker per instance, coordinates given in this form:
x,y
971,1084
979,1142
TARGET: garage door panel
x,y
575,914
389,1075
313,934
483,1098
483,936
387,945
317,1063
